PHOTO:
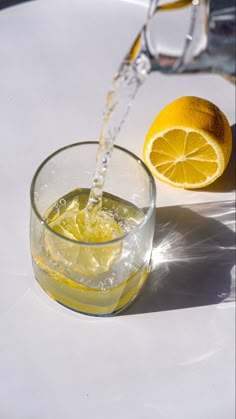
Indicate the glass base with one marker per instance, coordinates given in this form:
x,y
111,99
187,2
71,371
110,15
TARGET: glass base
x,y
92,301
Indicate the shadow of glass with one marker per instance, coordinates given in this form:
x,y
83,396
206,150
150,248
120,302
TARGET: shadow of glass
x,y
193,258
8,3
226,182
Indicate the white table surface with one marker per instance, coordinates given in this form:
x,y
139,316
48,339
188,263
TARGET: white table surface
x,y
172,353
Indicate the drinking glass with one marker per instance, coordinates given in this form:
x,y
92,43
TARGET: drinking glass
x,y
93,277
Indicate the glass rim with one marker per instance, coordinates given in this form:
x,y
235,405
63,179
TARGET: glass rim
x,y
80,242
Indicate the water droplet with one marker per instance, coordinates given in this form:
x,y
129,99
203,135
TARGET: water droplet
x,y
62,201
108,282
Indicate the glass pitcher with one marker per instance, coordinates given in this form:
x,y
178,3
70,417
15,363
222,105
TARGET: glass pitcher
x,y
203,40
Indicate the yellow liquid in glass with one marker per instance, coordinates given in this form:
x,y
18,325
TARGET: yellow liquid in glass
x,y
92,279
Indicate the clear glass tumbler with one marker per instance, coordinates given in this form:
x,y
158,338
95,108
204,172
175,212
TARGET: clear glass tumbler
x,y
100,276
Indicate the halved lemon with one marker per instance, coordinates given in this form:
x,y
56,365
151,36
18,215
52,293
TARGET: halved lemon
x,y
189,143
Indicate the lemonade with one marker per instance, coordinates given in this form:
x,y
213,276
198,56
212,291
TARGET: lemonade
x,y
93,268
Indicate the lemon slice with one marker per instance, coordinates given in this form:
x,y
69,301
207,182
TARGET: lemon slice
x,y
189,143
87,259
